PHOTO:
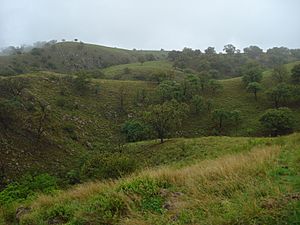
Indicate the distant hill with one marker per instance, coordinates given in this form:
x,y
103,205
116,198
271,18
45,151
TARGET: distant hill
x,y
72,57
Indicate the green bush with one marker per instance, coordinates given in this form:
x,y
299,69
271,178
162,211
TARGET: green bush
x,y
135,130
278,121
106,166
148,191
105,208
28,187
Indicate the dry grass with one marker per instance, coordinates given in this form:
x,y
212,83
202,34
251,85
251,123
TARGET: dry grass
x,y
202,185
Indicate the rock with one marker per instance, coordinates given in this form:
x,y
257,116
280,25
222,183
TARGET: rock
x,y
22,211
167,206
177,194
175,217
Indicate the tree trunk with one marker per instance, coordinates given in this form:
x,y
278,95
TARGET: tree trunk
x,y
161,140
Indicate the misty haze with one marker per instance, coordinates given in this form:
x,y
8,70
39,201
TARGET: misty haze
x,y
149,112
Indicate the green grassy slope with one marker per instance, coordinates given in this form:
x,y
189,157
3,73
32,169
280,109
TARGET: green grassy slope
x,y
145,71
255,183
71,56
235,97
83,124
77,124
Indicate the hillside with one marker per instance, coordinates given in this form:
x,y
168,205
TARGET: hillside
x,y
254,181
72,57
81,124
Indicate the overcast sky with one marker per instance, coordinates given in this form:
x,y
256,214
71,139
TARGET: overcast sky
x,y
153,24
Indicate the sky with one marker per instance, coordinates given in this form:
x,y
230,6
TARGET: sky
x,y
153,24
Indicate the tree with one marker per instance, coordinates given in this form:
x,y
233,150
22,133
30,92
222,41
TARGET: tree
x,y
13,86
229,49
121,95
168,90
166,117
190,86
210,51
236,119
253,52
251,73
296,74
280,74
198,104
278,56
40,120
278,121
214,86
134,130
254,87
220,116
81,83
279,94
8,112
141,59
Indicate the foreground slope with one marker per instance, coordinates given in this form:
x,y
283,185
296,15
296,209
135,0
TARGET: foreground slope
x,y
258,186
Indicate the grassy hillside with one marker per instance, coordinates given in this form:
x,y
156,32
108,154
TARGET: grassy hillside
x,y
255,183
70,57
148,71
82,124
235,97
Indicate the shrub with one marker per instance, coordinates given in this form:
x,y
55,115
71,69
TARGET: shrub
x,y
108,166
135,130
296,74
105,208
147,190
28,187
278,121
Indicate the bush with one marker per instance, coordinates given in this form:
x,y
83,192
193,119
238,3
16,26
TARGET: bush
x,y
108,166
296,74
28,187
278,121
105,208
135,130
147,190
70,129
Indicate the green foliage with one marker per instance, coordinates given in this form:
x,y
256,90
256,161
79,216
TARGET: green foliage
x,y
190,87
280,74
214,86
251,73
165,117
253,52
8,112
28,187
278,121
198,104
224,118
296,74
168,90
135,130
148,190
280,94
81,83
229,49
254,87
105,166
105,208
70,129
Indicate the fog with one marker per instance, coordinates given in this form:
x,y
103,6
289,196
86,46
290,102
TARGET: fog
x,y
155,24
